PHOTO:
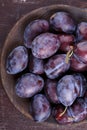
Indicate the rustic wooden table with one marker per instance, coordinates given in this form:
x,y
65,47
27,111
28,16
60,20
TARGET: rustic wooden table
x,y
10,12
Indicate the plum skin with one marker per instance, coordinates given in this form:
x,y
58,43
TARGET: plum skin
x,y
62,22
75,113
40,108
81,32
56,66
17,60
66,40
81,51
28,85
76,64
50,89
33,29
45,45
36,65
66,90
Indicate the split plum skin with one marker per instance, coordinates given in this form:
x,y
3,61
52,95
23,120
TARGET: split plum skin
x,y
56,66
81,51
77,65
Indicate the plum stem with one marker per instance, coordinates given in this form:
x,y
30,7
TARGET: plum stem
x,y
59,116
63,112
69,54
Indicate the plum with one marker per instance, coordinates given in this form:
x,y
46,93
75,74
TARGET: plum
x,y
17,60
33,29
28,85
45,45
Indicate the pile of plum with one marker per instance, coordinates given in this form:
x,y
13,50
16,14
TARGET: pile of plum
x,y
55,57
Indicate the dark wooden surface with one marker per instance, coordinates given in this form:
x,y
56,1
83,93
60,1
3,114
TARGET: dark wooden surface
x,y
10,12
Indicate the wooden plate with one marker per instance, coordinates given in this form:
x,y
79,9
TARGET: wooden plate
x,y
15,38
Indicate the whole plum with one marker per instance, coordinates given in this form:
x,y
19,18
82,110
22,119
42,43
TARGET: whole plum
x,y
33,29
62,115
17,60
76,64
45,45
81,51
81,32
28,85
56,66
51,91
78,110
75,113
66,41
81,83
36,65
67,90
62,22
41,108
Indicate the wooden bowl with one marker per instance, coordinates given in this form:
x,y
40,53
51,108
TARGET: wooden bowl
x,y
15,38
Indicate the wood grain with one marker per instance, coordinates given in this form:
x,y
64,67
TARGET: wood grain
x,y
10,12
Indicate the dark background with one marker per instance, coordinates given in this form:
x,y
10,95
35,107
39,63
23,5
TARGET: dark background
x,y
10,12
